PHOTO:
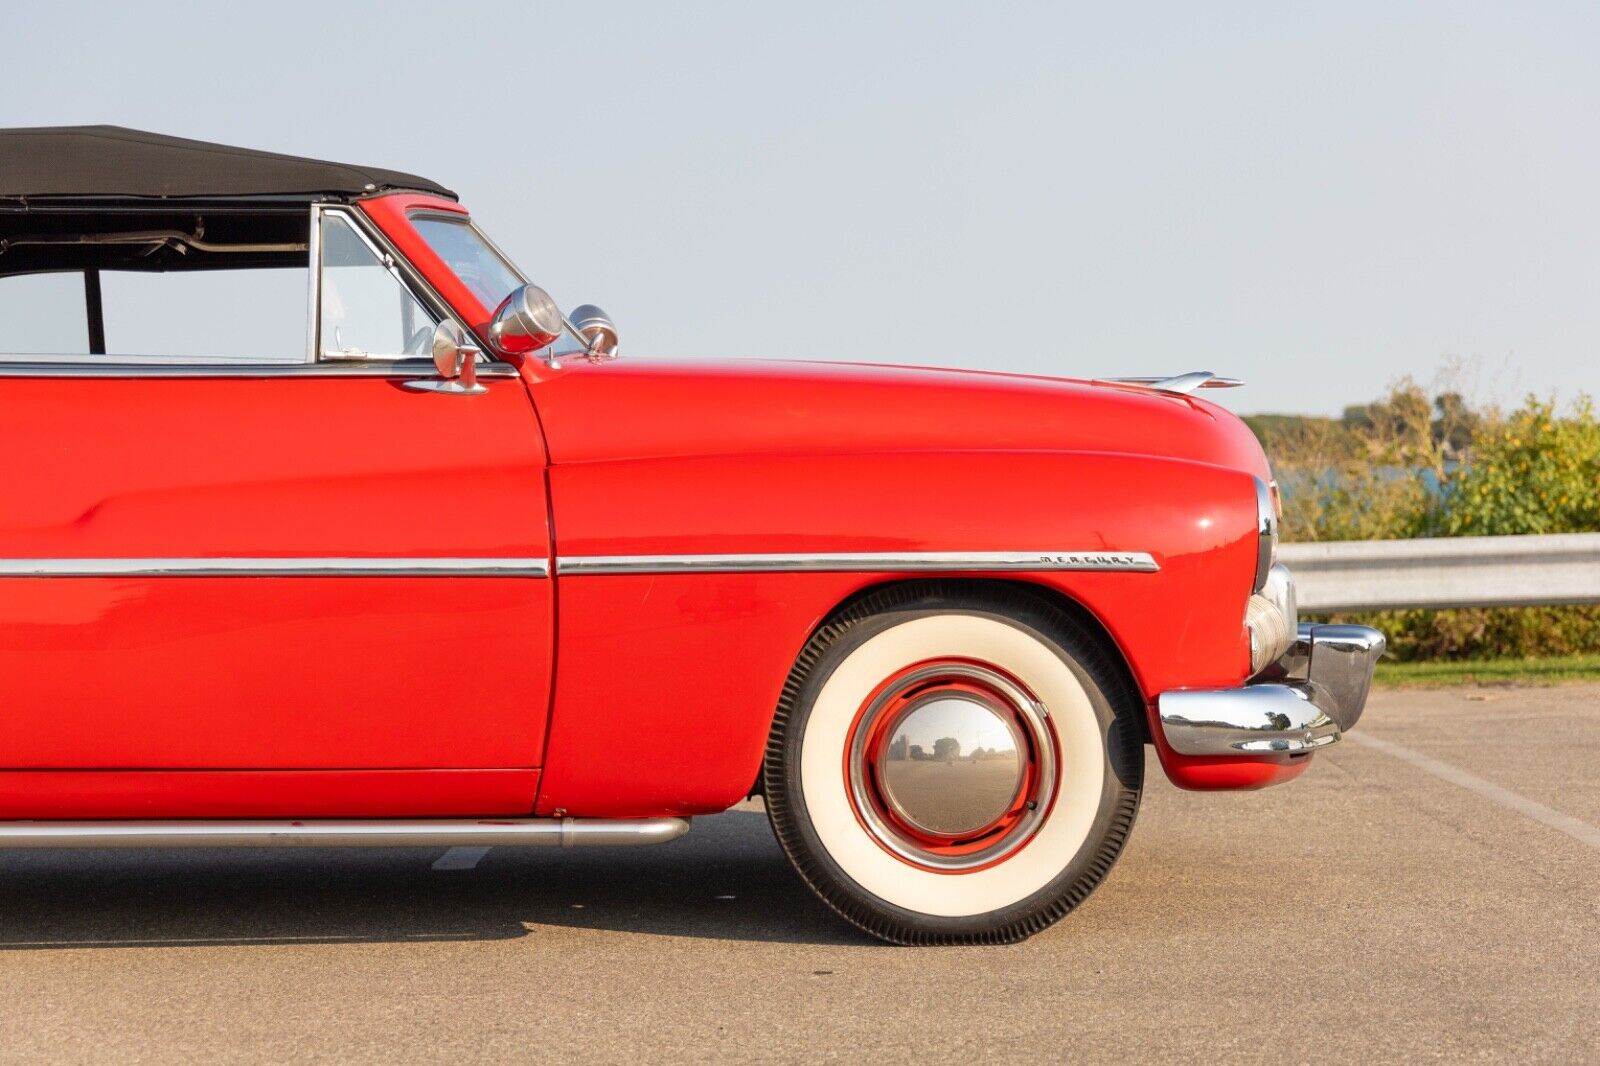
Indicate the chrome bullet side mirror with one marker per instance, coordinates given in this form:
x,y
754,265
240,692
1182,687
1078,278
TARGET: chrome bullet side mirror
x,y
527,321
597,330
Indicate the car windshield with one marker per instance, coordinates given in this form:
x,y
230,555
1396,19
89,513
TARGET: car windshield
x,y
464,251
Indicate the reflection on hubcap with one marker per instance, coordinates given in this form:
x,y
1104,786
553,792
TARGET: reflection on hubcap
x,y
951,765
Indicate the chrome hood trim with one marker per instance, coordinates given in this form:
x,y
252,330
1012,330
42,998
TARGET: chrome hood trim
x,y
1178,384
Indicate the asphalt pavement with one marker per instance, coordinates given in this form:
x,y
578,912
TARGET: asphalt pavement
x,y
1429,890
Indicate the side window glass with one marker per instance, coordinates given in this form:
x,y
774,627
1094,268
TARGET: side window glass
x,y
244,315
43,314
180,316
366,312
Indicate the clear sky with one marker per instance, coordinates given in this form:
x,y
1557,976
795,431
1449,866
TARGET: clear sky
x,y
1315,197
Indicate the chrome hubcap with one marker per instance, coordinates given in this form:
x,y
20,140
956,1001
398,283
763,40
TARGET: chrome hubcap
x,y
951,765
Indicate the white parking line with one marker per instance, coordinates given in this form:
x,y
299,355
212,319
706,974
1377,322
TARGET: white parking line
x,y
1576,828
459,858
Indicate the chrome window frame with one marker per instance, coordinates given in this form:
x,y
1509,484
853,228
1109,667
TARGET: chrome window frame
x,y
82,365
409,277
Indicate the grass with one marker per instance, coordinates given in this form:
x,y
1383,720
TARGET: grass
x,y
1544,671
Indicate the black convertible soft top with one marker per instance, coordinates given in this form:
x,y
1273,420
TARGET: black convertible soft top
x,y
109,162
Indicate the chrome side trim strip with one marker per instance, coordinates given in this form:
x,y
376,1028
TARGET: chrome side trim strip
x,y
410,368
854,562
369,833
419,566
266,566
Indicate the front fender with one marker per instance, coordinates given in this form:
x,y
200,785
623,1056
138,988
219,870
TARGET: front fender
x,y
666,683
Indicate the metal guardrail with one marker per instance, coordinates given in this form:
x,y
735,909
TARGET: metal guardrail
x,y
1372,575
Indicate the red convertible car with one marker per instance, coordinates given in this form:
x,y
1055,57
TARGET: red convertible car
x,y
319,524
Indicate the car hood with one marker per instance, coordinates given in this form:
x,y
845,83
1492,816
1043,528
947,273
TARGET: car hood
x,y
630,409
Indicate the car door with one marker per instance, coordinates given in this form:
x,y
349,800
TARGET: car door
x,y
289,587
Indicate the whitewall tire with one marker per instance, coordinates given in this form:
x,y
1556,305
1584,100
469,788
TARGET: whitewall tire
x,y
955,762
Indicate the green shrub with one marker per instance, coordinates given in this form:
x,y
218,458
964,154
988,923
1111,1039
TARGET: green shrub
x,y
1415,466
1485,632
1534,472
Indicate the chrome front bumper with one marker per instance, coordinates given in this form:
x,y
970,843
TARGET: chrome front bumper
x,y
1301,702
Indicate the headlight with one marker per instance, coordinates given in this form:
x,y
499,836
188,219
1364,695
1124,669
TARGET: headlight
x,y
1266,532
1272,618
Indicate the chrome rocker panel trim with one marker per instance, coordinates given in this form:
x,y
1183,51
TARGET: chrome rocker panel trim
x,y
367,833
284,566
1303,702
857,562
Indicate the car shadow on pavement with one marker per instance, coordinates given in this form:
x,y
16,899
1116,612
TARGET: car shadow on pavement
x,y
725,880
